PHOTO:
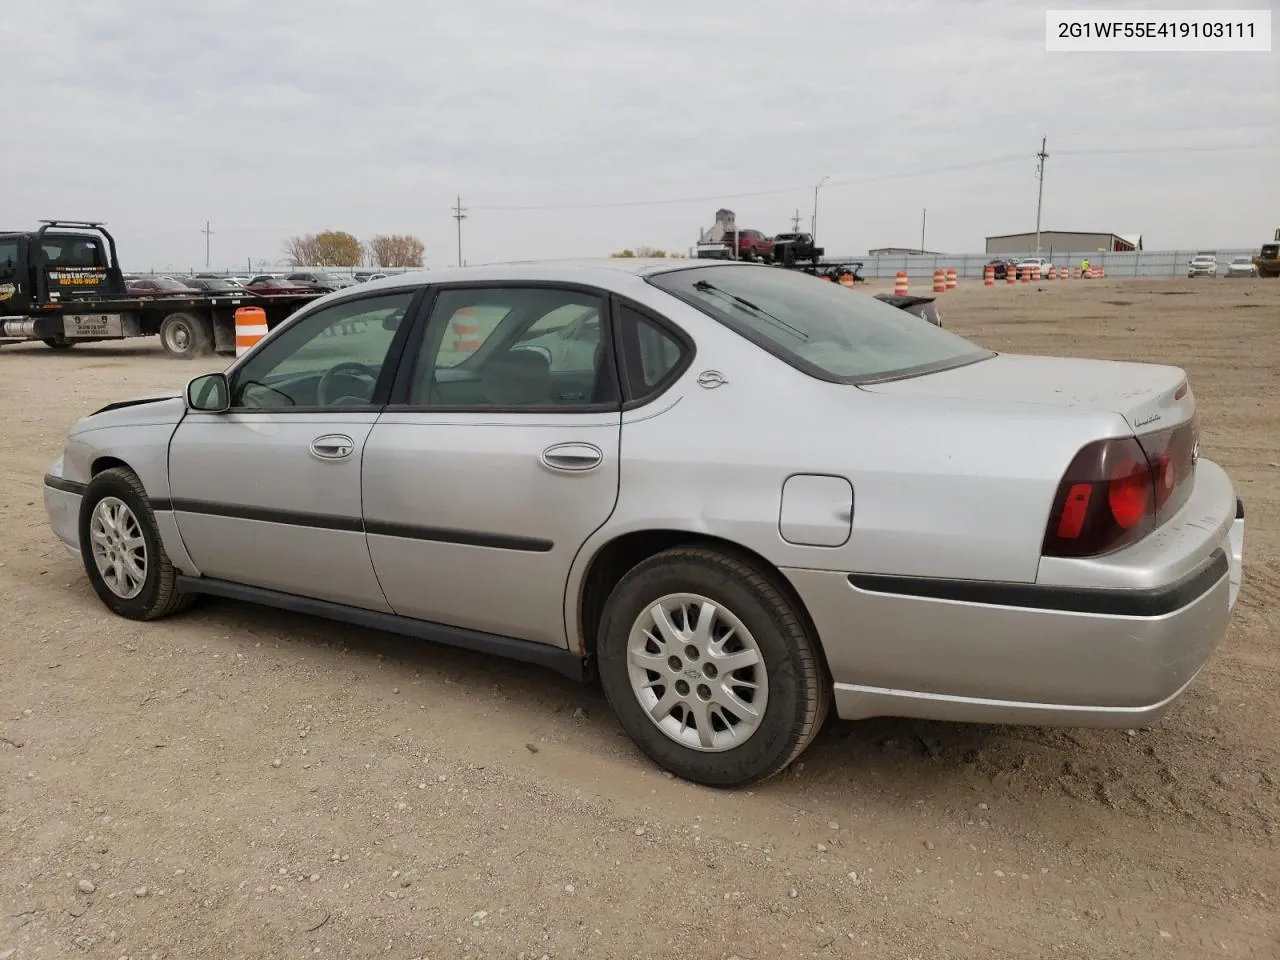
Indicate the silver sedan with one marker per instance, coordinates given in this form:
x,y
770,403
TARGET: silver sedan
x,y
741,495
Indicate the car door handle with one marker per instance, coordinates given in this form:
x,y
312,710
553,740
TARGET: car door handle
x,y
334,446
572,457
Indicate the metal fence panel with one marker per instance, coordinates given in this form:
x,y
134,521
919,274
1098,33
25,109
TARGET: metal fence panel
x,y
1141,263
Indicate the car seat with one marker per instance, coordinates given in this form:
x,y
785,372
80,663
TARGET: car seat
x,y
517,378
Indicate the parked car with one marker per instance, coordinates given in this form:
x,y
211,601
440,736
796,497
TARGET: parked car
x,y
262,277
1241,267
320,280
269,285
220,285
157,287
1002,268
1028,265
1203,266
764,498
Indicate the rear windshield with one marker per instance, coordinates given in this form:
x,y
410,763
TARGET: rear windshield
x,y
820,327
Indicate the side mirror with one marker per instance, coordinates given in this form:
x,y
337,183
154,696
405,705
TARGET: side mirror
x,y
209,394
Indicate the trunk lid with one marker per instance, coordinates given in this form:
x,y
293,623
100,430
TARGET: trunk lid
x,y
1150,397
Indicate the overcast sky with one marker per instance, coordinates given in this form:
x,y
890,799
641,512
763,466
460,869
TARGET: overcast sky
x,y
291,116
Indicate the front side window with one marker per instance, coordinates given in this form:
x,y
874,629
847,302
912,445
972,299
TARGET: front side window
x,y
330,358
821,328
515,347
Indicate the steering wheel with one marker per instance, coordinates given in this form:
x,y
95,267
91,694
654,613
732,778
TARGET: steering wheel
x,y
351,370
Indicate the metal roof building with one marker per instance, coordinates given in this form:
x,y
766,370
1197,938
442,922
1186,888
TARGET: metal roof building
x,y
1064,241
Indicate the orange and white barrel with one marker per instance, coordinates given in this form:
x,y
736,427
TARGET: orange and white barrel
x,y
1026,274
953,278
846,280
251,326
1010,273
988,276
1052,273
466,332
900,283
939,281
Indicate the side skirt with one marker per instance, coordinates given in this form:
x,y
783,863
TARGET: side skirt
x,y
564,662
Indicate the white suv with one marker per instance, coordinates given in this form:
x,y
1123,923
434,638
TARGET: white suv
x,y
1203,265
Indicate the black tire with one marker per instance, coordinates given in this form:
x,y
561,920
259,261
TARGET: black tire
x,y
55,344
799,690
159,596
186,336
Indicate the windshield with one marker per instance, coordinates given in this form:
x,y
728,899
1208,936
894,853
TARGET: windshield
x,y
820,327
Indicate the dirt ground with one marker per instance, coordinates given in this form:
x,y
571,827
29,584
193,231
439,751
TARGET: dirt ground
x,y
238,782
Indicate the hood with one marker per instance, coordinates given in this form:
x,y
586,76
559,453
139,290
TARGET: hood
x,y
1149,396
156,408
136,401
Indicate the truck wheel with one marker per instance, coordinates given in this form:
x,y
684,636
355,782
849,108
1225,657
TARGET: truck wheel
x,y
186,336
58,344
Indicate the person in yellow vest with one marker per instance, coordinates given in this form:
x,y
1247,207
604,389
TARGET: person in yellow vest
x,y
1084,269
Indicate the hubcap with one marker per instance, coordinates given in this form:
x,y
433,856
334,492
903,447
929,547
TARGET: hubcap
x,y
119,549
179,336
697,671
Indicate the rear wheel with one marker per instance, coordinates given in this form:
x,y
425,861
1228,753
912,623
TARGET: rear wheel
x,y
186,336
55,344
121,549
710,669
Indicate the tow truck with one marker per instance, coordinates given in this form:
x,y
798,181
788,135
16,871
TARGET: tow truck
x,y
62,284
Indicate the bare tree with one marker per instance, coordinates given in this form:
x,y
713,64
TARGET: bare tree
x,y
302,251
643,251
396,250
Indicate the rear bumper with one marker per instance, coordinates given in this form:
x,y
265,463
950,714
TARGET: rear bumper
x,y
1030,653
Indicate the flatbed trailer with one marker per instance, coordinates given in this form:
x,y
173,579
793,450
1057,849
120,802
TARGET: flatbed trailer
x,y
64,286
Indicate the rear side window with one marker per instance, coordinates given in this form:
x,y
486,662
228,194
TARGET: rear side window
x,y
654,356
820,328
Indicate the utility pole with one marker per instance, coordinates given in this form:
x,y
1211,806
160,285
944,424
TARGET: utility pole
x,y
208,232
924,216
459,214
795,221
1040,197
813,229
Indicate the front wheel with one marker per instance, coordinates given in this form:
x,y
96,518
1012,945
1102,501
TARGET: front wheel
x,y
121,549
55,344
710,669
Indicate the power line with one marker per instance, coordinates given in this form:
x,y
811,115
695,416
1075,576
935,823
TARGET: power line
x,y
713,197
1221,148
858,181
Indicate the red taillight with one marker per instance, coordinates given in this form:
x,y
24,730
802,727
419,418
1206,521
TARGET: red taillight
x,y
1116,491
1129,491
1074,511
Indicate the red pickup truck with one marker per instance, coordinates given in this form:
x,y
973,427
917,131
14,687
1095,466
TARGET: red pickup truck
x,y
752,245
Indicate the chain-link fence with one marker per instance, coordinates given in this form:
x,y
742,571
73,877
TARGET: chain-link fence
x,y
1142,263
